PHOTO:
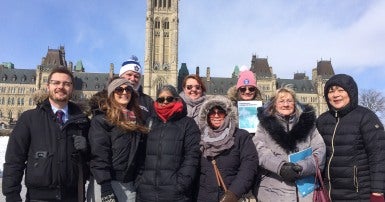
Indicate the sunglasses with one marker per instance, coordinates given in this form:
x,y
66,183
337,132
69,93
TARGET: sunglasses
x,y
189,87
120,90
162,99
243,89
218,112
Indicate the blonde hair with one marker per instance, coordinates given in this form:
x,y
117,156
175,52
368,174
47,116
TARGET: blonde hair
x,y
285,89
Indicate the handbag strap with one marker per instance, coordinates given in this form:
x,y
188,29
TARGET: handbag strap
x,y
318,175
218,175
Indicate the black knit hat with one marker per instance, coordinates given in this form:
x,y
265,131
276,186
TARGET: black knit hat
x,y
347,83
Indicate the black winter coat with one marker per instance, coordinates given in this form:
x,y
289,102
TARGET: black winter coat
x,y
238,167
172,159
355,146
113,151
46,152
355,163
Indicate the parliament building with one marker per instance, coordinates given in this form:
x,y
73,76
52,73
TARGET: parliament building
x,y
17,86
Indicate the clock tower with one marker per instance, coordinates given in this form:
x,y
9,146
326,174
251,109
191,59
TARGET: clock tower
x,y
161,48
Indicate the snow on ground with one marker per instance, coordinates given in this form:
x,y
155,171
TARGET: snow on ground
x,y
3,147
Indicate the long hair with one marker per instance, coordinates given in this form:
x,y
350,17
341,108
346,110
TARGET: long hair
x,y
116,117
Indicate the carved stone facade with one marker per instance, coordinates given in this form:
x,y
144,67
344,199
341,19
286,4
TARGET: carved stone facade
x,y
161,48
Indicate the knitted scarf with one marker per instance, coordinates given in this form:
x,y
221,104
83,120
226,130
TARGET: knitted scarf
x,y
193,106
165,112
215,141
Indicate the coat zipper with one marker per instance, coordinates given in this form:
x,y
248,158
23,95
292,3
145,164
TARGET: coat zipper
x,y
332,155
355,179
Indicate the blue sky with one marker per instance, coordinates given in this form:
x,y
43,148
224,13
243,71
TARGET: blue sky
x,y
219,34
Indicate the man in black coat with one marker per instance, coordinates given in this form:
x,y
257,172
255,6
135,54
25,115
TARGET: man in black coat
x,y
49,144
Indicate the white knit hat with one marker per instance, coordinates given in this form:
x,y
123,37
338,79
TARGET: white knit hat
x,y
131,64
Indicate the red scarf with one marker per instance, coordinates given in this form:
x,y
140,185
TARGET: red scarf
x,y
165,112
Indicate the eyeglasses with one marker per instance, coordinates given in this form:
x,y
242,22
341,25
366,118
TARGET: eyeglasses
x,y
120,90
217,112
282,102
243,89
162,99
58,83
189,87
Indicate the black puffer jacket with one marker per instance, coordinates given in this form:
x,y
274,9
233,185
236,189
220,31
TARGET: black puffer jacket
x,y
172,159
355,145
113,151
46,153
237,165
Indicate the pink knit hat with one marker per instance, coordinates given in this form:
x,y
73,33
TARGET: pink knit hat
x,y
246,78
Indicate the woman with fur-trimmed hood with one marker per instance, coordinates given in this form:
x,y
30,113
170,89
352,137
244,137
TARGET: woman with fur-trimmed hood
x,y
285,127
246,88
231,148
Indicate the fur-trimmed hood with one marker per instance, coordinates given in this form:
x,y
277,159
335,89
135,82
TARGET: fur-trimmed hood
x,y
302,122
217,100
232,94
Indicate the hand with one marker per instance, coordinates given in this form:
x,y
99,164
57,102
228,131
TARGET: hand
x,y
377,197
290,171
229,196
108,194
80,142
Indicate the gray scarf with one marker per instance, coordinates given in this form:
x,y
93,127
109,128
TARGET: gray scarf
x,y
214,142
193,106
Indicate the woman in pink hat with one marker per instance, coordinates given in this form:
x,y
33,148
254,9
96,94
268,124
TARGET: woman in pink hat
x,y
246,88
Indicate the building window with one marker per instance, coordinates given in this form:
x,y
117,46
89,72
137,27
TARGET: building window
x,y
169,3
30,101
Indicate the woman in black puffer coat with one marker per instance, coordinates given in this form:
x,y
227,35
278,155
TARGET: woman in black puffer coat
x,y
232,149
355,144
172,152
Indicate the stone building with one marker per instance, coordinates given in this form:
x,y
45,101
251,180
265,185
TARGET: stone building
x,y
17,86
161,48
308,91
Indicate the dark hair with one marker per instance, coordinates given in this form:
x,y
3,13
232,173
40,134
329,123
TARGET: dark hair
x,y
61,70
197,78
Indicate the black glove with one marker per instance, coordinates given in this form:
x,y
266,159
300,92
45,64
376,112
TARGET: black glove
x,y
290,172
108,194
229,196
80,142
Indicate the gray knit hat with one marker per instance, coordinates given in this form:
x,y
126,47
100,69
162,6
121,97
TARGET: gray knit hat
x,y
116,83
168,88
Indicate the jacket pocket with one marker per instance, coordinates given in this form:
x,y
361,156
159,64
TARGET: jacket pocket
x,y
355,178
39,170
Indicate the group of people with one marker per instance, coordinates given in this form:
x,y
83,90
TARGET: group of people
x,y
187,146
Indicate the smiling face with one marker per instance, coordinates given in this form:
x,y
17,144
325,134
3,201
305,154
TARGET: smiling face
x,y
192,89
246,92
122,95
216,117
133,77
59,88
338,97
165,98
285,104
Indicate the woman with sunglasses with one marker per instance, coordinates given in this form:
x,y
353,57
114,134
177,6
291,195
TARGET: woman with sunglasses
x,y
231,148
193,95
246,88
286,127
172,151
114,135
